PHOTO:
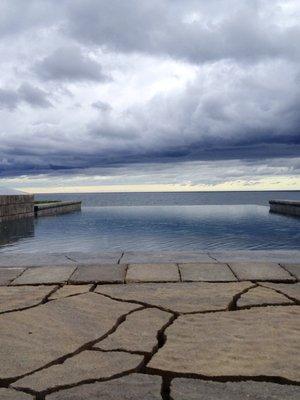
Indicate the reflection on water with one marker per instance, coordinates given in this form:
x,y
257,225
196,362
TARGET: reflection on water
x,y
12,231
162,228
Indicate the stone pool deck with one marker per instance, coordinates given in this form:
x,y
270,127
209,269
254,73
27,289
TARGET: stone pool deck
x,y
181,326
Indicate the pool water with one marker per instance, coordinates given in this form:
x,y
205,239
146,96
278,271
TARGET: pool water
x,y
157,228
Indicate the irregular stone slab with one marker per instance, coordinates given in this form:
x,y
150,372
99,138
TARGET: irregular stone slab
x,y
70,290
17,298
10,394
194,389
134,257
108,273
178,297
260,296
294,269
138,332
260,272
34,259
256,342
9,274
133,387
152,273
88,258
84,366
45,275
291,290
206,272
32,338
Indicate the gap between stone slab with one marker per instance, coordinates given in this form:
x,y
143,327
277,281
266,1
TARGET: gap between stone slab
x,y
283,267
86,346
232,306
120,258
43,301
179,272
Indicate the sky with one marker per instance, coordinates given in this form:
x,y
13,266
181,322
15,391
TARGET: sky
x,y
139,95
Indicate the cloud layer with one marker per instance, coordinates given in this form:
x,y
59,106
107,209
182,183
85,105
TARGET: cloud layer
x,y
103,84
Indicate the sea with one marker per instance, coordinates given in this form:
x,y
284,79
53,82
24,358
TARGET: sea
x,y
180,221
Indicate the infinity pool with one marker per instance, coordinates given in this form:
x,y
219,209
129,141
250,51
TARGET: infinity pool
x,y
157,228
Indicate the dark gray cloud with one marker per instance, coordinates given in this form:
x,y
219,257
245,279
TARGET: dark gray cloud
x,y
192,80
27,93
70,64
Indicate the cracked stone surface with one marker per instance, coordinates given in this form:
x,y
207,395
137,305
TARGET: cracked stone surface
x,y
195,272
152,273
9,274
87,365
109,273
260,271
15,298
131,387
255,342
291,290
69,290
178,297
262,296
44,275
138,332
294,269
10,394
194,389
32,338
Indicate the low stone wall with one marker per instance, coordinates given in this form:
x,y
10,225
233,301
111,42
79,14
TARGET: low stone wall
x,y
56,208
16,206
285,207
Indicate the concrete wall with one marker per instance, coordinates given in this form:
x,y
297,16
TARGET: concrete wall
x,y
16,206
61,207
285,207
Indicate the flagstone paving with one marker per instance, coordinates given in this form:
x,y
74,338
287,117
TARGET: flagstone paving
x,y
292,291
178,297
152,273
294,269
16,298
193,389
9,274
260,296
208,272
256,342
204,337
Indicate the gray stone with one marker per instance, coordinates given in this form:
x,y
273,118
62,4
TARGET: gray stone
x,y
194,389
131,387
178,297
9,274
17,298
88,365
109,273
206,272
45,275
290,290
70,290
277,256
138,332
260,296
260,272
33,338
11,394
294,269
34,259
152,273
248,343
88,258
133,257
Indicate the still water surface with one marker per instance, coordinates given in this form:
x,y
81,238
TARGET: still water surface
x,y
154,227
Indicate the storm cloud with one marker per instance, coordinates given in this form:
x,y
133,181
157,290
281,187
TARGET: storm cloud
x,y
118,84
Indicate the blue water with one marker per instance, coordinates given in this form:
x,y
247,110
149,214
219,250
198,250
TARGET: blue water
x,y
224,225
